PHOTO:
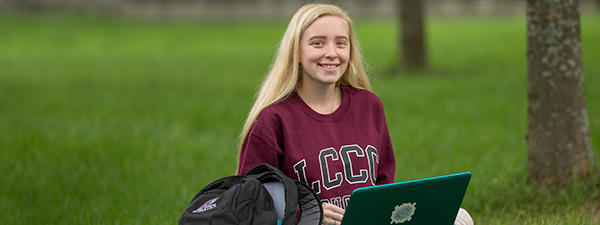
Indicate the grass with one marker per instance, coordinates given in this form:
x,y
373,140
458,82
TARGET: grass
x,y
117,121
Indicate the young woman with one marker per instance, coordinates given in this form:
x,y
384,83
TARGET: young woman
x,y
315,117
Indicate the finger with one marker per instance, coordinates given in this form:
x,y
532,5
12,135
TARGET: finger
x,y
333,208
329,221
332,214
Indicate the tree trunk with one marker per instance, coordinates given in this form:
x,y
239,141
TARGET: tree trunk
x,y
558,129
412,46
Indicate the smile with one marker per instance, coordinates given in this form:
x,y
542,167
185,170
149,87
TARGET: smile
x,y
329,66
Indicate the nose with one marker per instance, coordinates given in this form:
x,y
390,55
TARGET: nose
x,y
330,52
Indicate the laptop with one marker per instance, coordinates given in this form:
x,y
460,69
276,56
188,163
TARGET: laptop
x,y
434,200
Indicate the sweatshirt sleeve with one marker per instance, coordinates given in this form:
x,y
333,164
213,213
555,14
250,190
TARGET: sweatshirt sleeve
x,y
261,144
387,161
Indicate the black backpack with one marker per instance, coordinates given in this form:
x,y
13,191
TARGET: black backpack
x,y
243,199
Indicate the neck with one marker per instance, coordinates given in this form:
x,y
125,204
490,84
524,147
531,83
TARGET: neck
x,y
322,100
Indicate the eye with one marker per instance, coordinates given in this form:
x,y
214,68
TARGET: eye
x,y
341,43
318,43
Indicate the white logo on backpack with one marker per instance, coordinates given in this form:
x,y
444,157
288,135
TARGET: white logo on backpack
x,y
208,205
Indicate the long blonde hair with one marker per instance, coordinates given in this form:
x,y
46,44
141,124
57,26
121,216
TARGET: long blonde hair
x,y
285,74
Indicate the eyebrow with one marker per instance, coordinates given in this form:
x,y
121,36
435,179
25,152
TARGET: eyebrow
x,y
325,37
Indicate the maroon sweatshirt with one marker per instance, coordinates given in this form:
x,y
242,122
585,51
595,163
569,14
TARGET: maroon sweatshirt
x,y
334,154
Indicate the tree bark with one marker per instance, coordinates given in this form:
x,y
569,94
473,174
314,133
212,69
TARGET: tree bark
x,y
412,45
558,128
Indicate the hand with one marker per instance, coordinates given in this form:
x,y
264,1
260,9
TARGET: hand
x,y
332,214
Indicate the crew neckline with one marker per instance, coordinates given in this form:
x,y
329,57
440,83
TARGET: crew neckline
x,y
332,117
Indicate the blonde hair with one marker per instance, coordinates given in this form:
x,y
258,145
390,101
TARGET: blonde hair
x,y
285,74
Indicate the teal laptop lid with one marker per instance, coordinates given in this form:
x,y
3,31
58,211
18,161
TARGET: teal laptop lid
x,y
434,200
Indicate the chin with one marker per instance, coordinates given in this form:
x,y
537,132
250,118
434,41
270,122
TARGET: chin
x,y
331,79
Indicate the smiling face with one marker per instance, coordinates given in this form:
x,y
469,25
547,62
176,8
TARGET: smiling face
x,y
324,51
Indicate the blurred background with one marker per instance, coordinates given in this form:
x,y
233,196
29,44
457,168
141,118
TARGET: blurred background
x,y
266,9
120,111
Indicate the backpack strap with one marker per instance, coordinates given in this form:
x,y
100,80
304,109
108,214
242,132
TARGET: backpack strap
x,y
265,172
297,196
310,207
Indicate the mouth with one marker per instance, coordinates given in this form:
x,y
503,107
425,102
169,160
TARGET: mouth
x,y
329,66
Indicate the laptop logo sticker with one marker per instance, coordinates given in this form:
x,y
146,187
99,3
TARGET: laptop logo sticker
x,y
403,213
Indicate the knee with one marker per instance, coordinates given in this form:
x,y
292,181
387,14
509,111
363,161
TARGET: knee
x,y
463,218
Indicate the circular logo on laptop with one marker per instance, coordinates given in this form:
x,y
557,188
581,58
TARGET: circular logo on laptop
x,y
403,213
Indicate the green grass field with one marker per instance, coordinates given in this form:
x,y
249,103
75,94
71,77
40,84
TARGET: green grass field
x,y
117,121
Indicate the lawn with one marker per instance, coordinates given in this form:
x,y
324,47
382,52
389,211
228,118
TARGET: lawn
x,y
121,121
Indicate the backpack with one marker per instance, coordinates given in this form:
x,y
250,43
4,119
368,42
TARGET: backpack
x,y
245,199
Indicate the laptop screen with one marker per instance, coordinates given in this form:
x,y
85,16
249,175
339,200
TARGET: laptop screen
x,y
434,200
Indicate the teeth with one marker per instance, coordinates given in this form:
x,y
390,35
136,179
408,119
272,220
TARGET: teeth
x,y
329,66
